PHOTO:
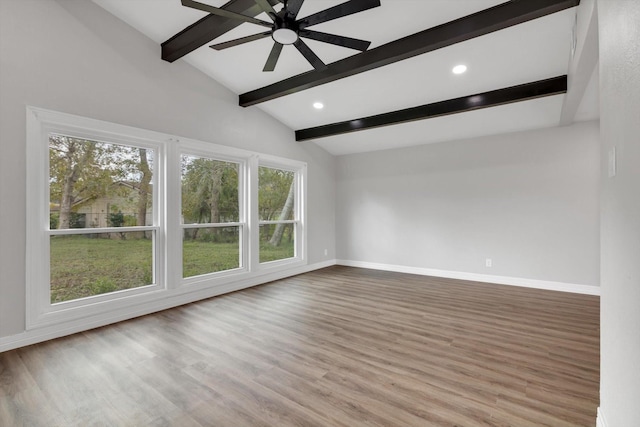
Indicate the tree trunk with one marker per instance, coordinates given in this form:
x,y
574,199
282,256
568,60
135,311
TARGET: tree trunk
x,y
144,189
216,182
70,179
67,200
276,239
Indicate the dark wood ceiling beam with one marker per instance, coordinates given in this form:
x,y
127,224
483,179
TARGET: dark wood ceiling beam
x,y
208,28
494,98
478,24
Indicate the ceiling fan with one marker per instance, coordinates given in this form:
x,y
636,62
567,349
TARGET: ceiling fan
x,y
286,29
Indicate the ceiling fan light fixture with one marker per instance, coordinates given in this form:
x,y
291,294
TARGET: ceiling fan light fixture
x,y
284,36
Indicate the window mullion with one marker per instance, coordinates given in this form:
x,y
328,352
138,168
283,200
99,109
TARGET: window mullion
x,y
253,212
173,230
213,225
300,214
64,231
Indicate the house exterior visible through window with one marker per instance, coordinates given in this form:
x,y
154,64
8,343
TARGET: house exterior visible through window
x,y
123,220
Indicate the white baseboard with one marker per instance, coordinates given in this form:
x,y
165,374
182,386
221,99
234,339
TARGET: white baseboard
x,y
37,335
500,280
601,420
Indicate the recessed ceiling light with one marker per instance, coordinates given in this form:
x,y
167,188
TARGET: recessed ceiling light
x,y
459,69
318,105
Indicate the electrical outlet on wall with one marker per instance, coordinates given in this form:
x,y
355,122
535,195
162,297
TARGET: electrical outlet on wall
x,y
488,262
326,252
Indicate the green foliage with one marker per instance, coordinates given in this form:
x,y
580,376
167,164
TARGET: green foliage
x,y
54,218
88,157
209,191
209,235
130,221
83,169
116,219
77,220
210,195
274,187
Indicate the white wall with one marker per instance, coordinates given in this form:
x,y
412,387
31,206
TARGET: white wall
x,y
529,201
74,57
619,27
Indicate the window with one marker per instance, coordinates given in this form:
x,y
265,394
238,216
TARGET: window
x,y
100,202
122,220
212,221
277,212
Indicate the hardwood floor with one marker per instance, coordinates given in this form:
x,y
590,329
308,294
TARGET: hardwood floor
x,y
336,347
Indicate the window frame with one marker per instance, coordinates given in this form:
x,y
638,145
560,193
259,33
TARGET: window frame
x,y
194,148
40,124
169,287
298,210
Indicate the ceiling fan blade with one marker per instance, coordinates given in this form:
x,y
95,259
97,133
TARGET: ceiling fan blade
x,y
273,57
224,13
242,40
269,10
309,55
343,41
344,9
293,7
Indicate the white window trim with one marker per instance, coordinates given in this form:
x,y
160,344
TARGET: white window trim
x,y
40,123
170,288
300,229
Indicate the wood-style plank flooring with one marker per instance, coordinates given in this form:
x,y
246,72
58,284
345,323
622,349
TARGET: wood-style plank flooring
x,y
336,347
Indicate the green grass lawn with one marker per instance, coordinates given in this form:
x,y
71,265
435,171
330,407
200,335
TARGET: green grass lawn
x,y
274,253
83,267
208,257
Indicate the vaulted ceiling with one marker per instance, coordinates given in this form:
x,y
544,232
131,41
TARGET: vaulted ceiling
x,y
402,91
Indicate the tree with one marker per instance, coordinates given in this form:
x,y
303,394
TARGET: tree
x,y
70,178
81,169
144,187
274,185
276,199
209,191
276,238
73,173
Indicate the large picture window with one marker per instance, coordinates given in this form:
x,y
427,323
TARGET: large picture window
x,y
100,217
122,220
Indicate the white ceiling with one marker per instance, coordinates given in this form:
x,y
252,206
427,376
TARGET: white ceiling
x,y
535,50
